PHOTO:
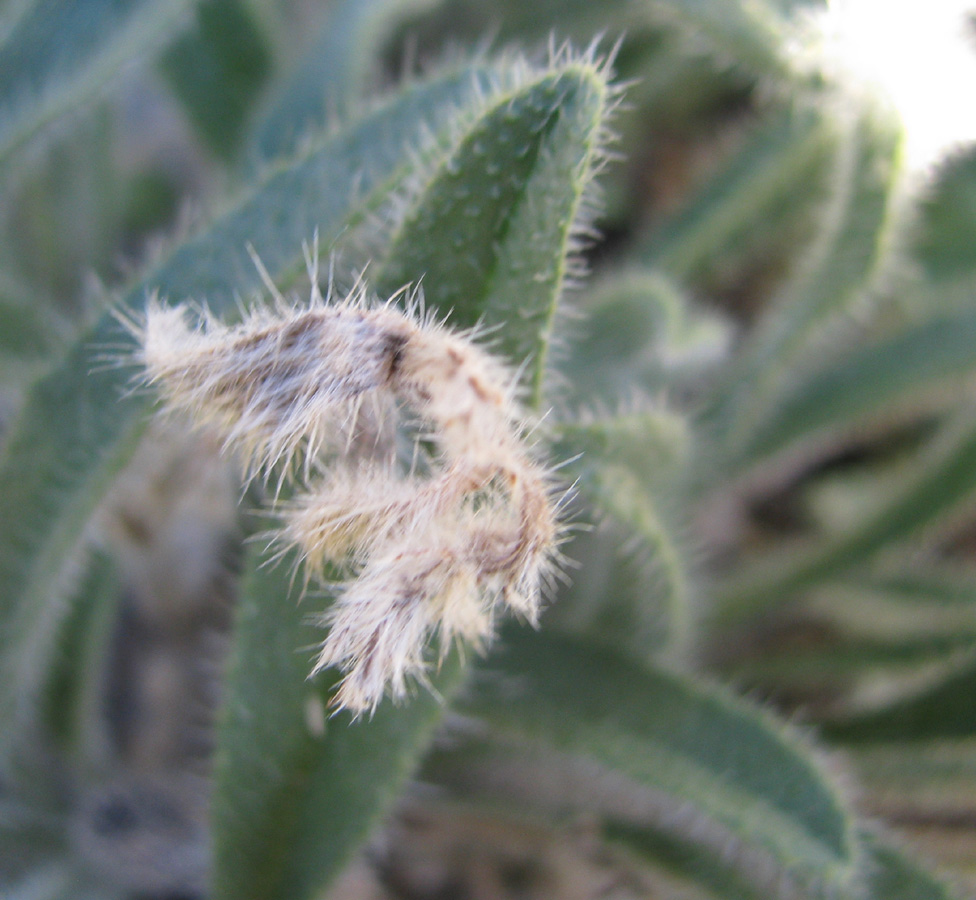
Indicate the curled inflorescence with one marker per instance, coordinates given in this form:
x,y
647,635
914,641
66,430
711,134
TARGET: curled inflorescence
x,y
432,548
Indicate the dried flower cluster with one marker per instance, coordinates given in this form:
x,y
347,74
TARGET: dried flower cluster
x,y
310,391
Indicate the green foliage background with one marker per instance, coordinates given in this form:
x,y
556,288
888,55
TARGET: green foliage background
x,y
750,327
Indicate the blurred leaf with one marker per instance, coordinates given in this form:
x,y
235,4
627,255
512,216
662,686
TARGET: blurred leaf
x,y
296,791
217,70
74,695
893,875
651,444
481,231
939,483
80,424
629,466
785,150
615,592
526,782
872,381
741,781
853,237
839,659
945,236
638,335
933,584
27,333
946,709
751,36
723,878
471,19
332,77
60,52
923,776
34,801
31,842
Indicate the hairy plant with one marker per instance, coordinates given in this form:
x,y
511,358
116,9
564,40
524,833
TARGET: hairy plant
x,y
286,569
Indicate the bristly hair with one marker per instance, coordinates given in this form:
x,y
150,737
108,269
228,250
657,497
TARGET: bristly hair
x,y
435,551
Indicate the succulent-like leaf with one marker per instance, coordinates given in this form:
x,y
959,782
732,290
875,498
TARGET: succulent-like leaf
x,y
752,790
59,53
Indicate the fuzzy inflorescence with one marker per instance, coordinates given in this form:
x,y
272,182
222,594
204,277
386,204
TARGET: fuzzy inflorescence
x,y
309,392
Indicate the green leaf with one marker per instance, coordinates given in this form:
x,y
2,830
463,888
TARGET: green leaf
x,y
295,791
741,778
939,483
930,586
68,445
852,239
924,777
784,153
638,334
946,235
875,380
651,444
81,423
217,71
33,809
750,36
27,332
708,870
32,838
61,52
528,783
862,623
893,875
832,665
490,231
332,76
946,709
73,698
630,467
